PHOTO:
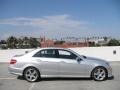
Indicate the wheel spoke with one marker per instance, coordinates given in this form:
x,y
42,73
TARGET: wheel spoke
x,y
34,72
103,72
31,78
28,75
98,77
97,73
34,77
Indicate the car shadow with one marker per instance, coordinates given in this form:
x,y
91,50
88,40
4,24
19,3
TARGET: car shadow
x,y
66,79
62,79
20,78
57,79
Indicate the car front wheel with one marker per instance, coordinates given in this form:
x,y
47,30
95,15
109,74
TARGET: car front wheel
x,y
99,74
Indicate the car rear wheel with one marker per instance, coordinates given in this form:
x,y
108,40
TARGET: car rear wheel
x,y
99,74
31,74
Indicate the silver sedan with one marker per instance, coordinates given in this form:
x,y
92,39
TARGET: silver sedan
x,y
58,62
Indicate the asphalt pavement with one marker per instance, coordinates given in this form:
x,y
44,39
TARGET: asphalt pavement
x,y
12,82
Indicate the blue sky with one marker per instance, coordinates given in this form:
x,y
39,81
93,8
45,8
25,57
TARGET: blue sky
x,y
59,18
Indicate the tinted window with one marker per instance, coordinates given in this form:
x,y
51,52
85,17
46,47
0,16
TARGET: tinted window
x,y
46,53
66,54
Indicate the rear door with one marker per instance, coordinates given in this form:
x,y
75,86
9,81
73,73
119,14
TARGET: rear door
x,y
49,65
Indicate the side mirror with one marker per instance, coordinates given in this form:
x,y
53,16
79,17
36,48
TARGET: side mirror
x,y
78,59
84,56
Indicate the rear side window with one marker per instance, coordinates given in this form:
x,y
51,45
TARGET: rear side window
x,y
46,53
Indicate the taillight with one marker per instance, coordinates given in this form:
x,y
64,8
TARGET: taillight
x,y
13,61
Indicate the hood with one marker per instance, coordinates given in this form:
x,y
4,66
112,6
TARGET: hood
x,y
94,59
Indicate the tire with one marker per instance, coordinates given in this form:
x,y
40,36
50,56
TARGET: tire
x,y
99,74
31,74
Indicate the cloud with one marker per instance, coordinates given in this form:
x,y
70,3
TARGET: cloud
x,y
64,20
23,21
49,25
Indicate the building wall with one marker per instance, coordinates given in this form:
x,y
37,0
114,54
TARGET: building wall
x,y
107,53
99,52
64,45
67,44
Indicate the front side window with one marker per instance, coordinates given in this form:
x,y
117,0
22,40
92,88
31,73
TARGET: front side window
x,y
66,54
46,53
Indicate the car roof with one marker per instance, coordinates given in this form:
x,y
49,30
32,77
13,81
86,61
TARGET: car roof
x,y
52,48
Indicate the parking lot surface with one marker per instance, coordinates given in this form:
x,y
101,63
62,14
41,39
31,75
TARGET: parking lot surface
x,y
11,82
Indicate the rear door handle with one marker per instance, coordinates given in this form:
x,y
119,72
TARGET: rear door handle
x,y
63,62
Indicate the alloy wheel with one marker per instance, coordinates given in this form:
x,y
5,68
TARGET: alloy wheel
x,y
31,74
99,74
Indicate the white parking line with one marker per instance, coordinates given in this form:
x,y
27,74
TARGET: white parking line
x,y
32,86
8,78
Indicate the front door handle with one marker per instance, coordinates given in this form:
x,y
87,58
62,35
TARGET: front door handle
x,y
38,60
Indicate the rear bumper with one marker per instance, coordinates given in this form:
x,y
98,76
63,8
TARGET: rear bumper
x,y
15,71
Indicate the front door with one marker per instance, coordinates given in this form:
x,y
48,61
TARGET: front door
x,y
69,66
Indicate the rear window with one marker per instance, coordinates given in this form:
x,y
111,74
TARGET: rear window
x,y
46,53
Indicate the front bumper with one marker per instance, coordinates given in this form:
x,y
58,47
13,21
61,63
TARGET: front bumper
x,y
110,75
